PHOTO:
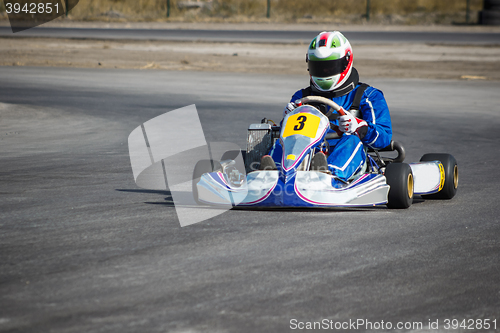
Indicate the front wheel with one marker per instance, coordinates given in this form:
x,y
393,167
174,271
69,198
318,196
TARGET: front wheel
x,y
400,178
202,167
450,175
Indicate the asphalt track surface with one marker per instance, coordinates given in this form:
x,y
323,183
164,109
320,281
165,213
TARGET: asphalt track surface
x,y
83,249
261,36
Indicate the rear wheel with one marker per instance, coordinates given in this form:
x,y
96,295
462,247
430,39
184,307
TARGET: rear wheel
x,y
400,178
450,175
202,167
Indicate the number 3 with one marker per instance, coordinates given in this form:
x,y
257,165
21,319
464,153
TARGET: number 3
x,y
300,126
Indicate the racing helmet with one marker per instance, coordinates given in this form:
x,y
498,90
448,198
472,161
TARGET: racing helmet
x,y
329,60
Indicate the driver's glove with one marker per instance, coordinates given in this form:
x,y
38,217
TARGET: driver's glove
x,y
350,124
289,108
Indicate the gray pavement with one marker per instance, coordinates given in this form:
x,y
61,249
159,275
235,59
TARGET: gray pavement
x,y
258,36
82,249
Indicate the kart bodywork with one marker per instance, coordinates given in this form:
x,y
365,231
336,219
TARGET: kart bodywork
x,y
296,183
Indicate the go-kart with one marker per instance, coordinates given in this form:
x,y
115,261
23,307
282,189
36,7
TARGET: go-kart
x,y
298,182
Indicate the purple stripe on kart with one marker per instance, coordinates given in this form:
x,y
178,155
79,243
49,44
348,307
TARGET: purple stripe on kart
x,y
220,180
262,198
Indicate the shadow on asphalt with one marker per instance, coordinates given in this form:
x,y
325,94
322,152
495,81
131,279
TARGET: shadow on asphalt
x,y
168,199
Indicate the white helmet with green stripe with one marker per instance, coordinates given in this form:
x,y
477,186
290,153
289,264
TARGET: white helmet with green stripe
x,y
329,60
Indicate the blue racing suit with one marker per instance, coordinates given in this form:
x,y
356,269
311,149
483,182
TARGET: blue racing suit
x,y
348,154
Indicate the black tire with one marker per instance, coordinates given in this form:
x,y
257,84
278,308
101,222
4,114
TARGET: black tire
x,y
450,175
400,178
202,167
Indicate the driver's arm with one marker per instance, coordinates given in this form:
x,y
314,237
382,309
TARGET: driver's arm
x,y
376,113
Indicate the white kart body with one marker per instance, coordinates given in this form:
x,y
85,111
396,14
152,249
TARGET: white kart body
x,y
294,185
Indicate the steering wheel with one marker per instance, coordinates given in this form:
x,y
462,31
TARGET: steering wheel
x,y
333,106
322,100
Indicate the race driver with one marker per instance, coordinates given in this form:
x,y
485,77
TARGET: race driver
x,y
332,75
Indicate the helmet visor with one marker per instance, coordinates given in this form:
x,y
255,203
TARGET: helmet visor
x,y
326,68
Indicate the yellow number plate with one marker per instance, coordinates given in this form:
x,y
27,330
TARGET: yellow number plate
x,y
302,123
